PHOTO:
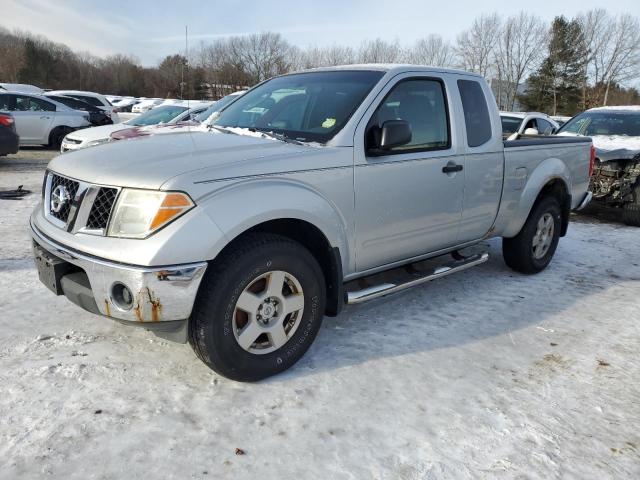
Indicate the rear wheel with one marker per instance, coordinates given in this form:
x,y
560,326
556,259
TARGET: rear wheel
x,y
533,248
631,210
259,308
56,136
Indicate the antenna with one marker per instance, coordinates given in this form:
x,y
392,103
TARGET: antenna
x,y
186,56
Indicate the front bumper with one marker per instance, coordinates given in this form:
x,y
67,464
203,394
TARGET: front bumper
x,y
160,294
585,201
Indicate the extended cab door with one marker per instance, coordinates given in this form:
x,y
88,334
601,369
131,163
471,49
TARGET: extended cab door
x,y
408,200
484,158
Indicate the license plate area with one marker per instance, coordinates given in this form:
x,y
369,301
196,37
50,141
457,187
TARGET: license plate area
x,y
51,269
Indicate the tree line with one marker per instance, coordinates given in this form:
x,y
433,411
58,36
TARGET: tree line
x,y
561,68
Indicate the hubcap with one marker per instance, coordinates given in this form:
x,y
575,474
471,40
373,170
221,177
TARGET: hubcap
x,y
544,236
268,312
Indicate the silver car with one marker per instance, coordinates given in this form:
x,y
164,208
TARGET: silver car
x,y
40,120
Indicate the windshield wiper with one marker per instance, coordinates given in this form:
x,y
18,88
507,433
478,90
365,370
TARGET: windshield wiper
x,y
222,129
278,136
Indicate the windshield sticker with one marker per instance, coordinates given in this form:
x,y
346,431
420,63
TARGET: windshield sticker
x,y
328,123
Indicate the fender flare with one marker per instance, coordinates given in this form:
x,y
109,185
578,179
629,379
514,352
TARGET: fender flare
x,y
548,171
267,199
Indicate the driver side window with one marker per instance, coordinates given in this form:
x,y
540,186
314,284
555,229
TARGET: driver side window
x,y
421,103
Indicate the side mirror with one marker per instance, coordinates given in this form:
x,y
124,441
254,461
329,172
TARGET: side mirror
x,y
531,131
394,133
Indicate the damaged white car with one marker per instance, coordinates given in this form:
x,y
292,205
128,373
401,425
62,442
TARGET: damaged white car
x,y
616,136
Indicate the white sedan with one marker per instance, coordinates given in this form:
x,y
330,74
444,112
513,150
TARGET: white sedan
x,y
90,137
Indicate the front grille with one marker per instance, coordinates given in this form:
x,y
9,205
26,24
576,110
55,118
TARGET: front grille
x,y
71,187
101,208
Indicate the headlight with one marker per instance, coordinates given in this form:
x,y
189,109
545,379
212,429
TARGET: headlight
x,y
139,213
100,141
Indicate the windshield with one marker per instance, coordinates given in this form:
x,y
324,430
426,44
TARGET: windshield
x,y
309,107
604,123
510,125
162,114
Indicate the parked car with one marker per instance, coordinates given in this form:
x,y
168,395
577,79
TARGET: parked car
x,y
92,98
20,87
198,118
615,132
527,123
40,120
9,140
146,105
177,124
239,240
125,105
91,137
97,116
560,119
217,106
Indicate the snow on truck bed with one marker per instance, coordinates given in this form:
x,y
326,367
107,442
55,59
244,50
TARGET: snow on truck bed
x,y
484,374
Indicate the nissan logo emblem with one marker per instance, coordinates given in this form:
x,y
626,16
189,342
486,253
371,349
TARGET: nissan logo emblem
x,y
59,198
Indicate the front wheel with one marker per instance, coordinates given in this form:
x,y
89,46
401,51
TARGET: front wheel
x,y
631,210
259,308
533,248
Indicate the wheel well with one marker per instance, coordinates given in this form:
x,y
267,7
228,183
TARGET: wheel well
x,y
312,239
558,189
55,130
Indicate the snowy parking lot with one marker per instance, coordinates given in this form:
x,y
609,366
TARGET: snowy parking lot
x,y
484,374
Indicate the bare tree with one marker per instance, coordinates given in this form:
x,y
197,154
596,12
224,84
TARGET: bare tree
x,y
612,47
619,59
262,55
379,51
475,47
431,50
595,25
11,56
520,49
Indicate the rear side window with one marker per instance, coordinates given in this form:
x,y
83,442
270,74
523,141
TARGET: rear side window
x,y
544,127
476,113
90,100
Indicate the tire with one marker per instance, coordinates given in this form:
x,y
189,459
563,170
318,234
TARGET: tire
x,y
252,269
631,210
520,253
56,136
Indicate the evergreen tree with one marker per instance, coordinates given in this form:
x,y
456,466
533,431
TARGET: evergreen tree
x,y
555,87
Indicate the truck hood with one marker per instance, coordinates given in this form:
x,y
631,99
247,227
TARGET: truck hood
x,y
150,162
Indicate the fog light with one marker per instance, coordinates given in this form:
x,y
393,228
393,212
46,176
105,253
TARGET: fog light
x,y
122,296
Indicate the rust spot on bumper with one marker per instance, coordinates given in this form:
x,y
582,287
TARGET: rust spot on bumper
x,y
146,297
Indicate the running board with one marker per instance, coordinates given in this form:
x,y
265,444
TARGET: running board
x,y
377,291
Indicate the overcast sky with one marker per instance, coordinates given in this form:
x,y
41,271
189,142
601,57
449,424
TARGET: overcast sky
x,y
152,29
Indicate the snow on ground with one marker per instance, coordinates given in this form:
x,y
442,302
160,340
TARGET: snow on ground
x,y
484,374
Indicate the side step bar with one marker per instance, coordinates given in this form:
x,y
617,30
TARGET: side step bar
x,y
383,289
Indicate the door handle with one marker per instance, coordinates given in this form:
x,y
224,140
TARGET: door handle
x,y
44,116
452,168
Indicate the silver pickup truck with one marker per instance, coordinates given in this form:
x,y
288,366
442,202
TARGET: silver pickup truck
x,y
240,239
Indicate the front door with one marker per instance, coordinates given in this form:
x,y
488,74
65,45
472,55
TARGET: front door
x,y
408,200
